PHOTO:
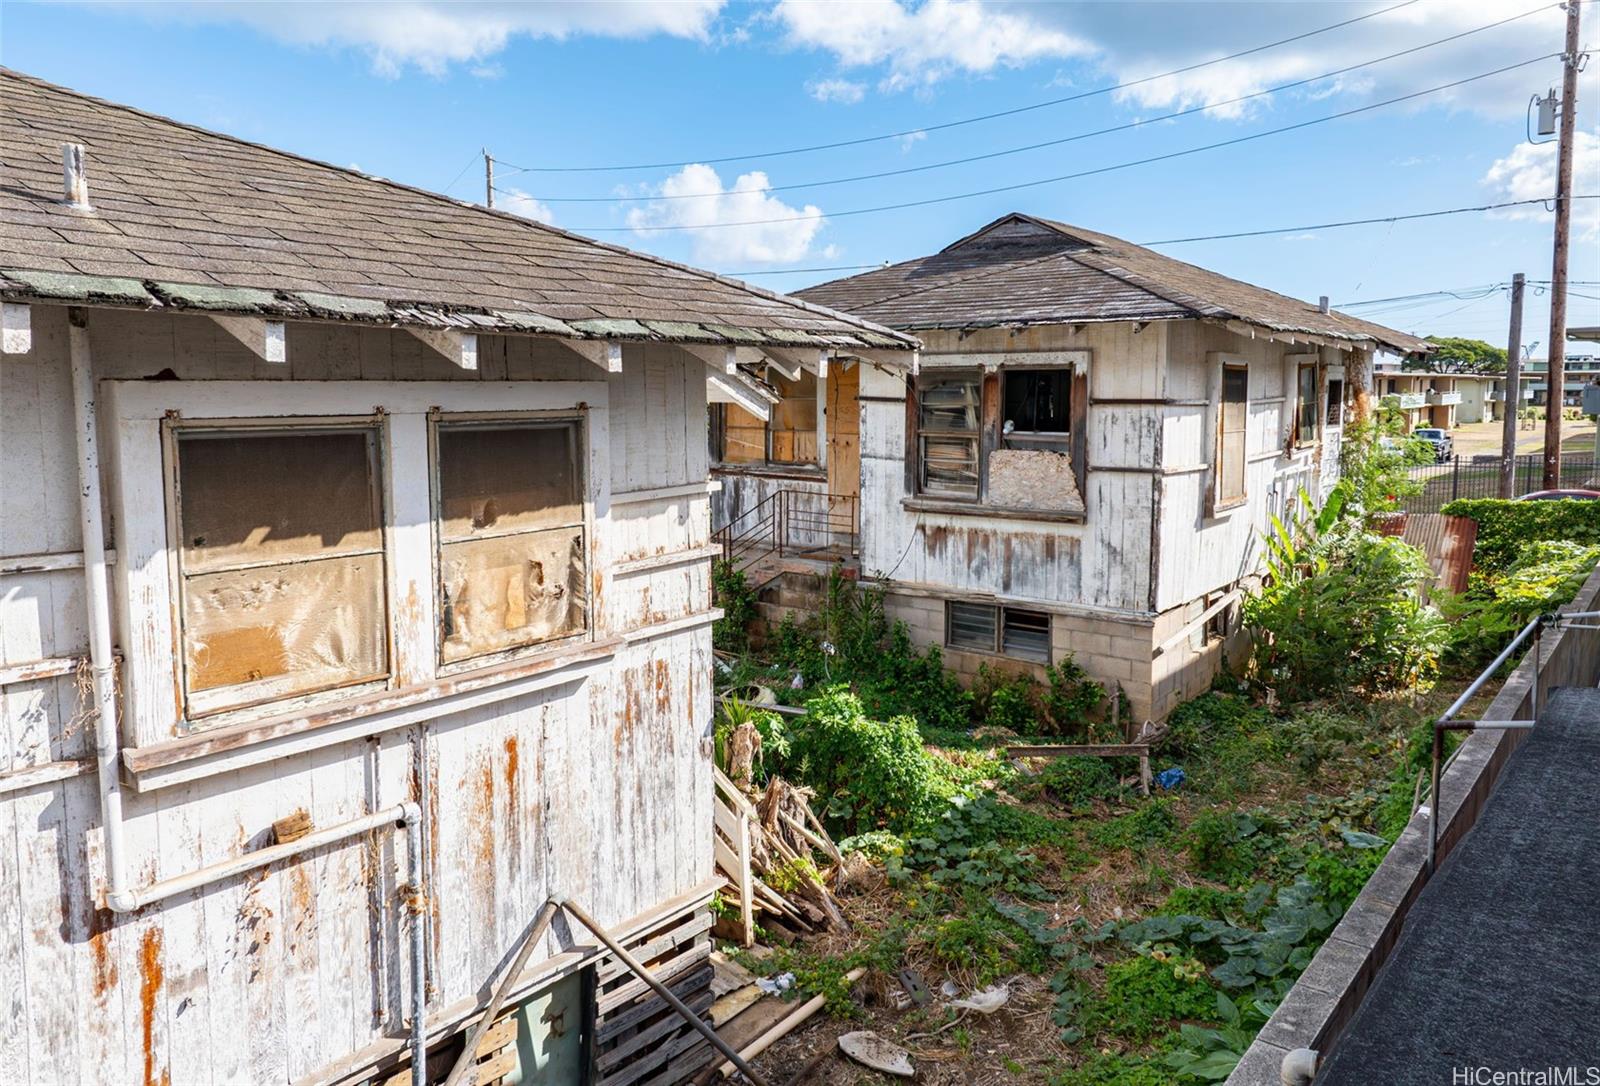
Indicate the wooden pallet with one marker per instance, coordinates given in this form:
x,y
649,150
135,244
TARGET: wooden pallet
x,y
639,1039
497,1056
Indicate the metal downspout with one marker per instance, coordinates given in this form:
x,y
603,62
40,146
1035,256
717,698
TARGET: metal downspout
x,y
107,747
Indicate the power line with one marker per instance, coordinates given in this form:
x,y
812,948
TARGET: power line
x,y
858,141
989,155
1073,176
1263,233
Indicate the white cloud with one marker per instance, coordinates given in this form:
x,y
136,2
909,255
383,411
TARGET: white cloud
x,y
1529,173
837,90
923,44
744,201
520,203
433,35
911,139
915,44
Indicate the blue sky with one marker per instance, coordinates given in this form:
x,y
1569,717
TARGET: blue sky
x,y
413,91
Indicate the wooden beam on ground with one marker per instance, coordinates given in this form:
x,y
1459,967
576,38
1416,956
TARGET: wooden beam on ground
x,y
460,348
265,339
1093,750
605,353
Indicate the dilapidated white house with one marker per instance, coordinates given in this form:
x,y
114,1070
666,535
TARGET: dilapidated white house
x,y
354,601
1084,464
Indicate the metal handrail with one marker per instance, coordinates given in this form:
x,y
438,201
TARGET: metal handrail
x,y
1447,721
772,524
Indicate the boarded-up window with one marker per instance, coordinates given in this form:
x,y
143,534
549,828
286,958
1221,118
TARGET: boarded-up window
x,y
511,535
1305,420
794,420
1335,403
947,436
280,561
1234,414
789,436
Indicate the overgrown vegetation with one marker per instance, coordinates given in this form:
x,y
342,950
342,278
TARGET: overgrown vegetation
x,y
1505,528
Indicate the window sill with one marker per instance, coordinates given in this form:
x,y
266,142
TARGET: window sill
x,y
979,509
174,761
774,471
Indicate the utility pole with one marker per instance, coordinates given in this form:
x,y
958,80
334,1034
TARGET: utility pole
x,y
1508,425
488,178
1558,268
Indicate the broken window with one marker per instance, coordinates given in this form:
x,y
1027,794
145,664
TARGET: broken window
x,y
984,627
789,436
947,436
510,534
1305,422
1233,417
280,562
1037,409
1335,403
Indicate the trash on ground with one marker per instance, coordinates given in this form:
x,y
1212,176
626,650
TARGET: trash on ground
x,y
870,1050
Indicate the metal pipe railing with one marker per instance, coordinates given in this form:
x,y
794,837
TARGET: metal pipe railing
x,y
1447,722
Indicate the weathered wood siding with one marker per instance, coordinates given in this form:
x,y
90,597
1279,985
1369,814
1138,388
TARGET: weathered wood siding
x,y
598,787
1102,562
1197,553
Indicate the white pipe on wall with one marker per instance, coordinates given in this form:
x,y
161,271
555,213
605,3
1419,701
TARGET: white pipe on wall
x,y
103,664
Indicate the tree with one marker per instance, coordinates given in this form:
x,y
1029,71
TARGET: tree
x,y
1458,355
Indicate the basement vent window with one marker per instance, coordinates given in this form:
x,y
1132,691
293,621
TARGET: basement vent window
x,y
510,510
1007,631
280,562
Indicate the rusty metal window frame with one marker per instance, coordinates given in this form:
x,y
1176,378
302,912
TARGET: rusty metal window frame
x,y
173,428
578,421
974,436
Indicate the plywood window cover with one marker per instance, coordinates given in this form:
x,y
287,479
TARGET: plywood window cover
x,y
573,422
738,428
213,700
145,590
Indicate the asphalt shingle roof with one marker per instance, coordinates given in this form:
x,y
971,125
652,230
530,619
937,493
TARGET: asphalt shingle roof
x,y
185,217
1022,270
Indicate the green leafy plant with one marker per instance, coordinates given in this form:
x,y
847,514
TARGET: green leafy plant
x,y
1073,700
1210,1055
1228,845
731,592
1544,575
1076,779
1151,824
1146,992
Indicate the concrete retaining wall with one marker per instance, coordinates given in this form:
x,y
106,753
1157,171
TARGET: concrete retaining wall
x,y
1327,994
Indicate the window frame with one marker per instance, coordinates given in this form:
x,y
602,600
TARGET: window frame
x,y
718,427
947,376
489,419
1333,412
1051,440
172,429
1303,403
144,591
1222,499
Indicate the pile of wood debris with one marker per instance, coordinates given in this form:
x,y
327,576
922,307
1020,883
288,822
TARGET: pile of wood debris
x,y
768,845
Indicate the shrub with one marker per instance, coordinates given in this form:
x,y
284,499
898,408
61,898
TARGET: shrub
x,y
871,774
1150,824
1078,778
1145,993
1341,874
1339,611
1504,527
731,592
1228,845
1002,698
1544,575
1073,699
1314,736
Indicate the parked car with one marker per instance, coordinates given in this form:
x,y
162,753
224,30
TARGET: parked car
x,y
1573,494
1444,446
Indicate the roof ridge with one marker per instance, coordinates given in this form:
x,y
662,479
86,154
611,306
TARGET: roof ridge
x,y
505,216
977,273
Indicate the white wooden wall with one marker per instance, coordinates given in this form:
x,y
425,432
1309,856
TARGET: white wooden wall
x,y
600,788
1103,562
1143,456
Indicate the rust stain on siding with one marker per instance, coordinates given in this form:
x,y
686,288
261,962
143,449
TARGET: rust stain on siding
x,y
151,976
663,688
104,966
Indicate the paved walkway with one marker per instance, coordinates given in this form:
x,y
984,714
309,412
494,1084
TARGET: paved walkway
x,y
1498,965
